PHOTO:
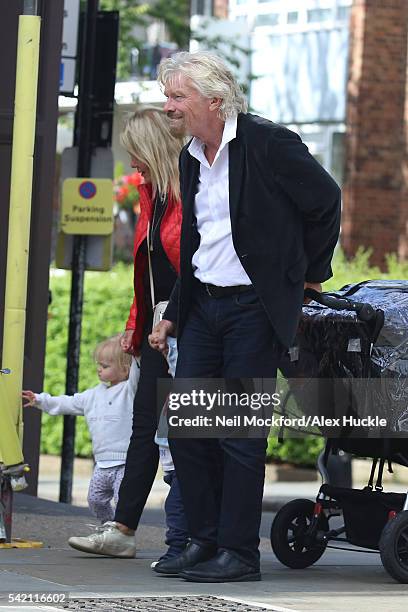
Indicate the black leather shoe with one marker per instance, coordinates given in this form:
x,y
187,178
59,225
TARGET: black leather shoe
x,y
191,556
224,567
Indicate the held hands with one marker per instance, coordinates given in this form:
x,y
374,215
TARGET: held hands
x,y
29,398
126,340
315,286
158,337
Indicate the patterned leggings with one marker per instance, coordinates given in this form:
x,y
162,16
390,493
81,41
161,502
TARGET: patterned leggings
x,y
104,486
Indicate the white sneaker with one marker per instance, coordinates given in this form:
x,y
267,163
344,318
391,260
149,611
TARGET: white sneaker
x,y
107,540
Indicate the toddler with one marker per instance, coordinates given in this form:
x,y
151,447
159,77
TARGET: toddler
x,y
108,410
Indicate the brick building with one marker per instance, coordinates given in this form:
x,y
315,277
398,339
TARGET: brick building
x,y
375,193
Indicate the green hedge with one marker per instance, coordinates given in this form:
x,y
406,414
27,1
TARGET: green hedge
x,y
108,296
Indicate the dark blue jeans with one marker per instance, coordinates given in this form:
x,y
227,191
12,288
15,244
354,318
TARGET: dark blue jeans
x,y
176,534
221,480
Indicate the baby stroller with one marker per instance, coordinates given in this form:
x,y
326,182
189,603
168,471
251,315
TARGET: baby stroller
x,y
357,334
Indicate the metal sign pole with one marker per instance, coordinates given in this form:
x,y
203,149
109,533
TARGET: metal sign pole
x,y
83,140
30,7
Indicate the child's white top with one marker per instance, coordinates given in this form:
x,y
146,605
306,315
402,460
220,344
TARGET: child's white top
x,y
166,460
108,412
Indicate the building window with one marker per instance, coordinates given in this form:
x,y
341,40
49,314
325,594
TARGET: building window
x,y
267,19
202,7
343,13
293,17
316,15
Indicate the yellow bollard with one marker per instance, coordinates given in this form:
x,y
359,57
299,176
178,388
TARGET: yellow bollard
x,y
11,430
10,445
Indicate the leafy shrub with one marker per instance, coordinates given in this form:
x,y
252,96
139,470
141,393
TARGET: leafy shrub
x,y
300,451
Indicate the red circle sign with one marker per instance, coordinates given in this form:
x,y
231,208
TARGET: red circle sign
x,y
87,190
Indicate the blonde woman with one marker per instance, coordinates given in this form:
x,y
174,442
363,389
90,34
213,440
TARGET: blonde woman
x,y
154,152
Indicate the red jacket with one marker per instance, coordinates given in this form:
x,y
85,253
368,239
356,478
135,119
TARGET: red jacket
x,y
170,236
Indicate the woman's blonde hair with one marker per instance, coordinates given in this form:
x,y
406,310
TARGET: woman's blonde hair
x,y
210,76
146,136
111,351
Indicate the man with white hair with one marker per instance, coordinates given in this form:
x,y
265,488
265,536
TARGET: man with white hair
x,y
260,222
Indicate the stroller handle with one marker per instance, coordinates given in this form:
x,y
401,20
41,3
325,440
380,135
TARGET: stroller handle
x,y
365,312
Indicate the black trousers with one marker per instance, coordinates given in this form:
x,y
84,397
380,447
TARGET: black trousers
x,y
221,479
143,453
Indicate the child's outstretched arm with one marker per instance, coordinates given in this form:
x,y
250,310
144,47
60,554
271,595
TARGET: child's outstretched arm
x,y
54,405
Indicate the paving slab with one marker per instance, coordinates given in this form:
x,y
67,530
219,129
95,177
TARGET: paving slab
x,y
340,580
357,581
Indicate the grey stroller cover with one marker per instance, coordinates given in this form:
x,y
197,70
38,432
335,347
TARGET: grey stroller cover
x,y
352,369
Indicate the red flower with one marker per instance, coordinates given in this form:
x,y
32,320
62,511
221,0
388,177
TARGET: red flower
x,y
126,190
122,194
135,179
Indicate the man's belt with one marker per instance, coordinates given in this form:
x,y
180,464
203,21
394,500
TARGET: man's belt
x,y
220,292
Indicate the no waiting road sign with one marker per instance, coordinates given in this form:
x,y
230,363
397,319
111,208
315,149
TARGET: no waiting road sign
x,y
87,206
87,189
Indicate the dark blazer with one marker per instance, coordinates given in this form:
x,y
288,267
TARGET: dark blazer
x,y
285,220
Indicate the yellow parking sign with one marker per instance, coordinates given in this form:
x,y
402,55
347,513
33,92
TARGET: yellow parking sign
x,y
87,206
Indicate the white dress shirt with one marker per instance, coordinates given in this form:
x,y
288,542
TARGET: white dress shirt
x,y
215,260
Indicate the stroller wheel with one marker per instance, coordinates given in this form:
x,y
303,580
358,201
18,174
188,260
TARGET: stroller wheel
x,y
394,547
293,541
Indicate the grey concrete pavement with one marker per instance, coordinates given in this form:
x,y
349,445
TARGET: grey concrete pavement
x,y
276,492
359,584
340,580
